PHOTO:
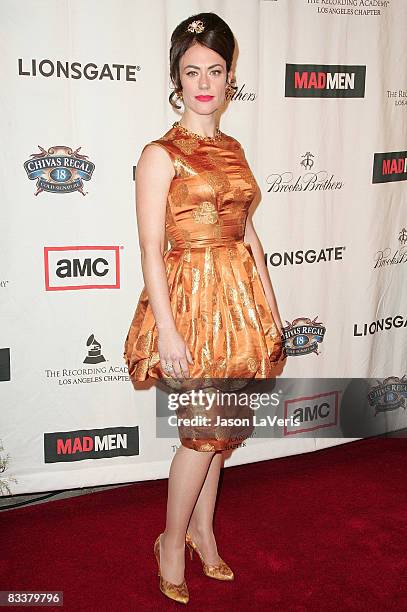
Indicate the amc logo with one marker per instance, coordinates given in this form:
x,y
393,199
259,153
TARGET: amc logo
x,y
311,413
81,267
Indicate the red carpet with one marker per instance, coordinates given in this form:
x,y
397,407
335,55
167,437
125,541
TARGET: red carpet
x,y
314,532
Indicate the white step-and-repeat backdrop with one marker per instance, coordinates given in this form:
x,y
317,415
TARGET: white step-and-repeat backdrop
x,y
320,109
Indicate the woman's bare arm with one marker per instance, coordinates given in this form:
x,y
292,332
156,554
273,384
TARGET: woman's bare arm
x,y
154,173
258,253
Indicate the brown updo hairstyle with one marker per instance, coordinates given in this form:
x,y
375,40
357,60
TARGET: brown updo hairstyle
x,y
216,35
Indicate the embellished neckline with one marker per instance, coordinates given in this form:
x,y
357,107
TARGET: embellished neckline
x,y
218,134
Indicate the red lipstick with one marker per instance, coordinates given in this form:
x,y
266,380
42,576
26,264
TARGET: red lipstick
x,y
204,98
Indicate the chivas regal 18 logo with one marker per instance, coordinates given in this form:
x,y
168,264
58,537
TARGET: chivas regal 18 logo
x,y
59,170
390,394
303,335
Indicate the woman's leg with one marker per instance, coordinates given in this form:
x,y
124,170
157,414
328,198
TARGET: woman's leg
x,y
187,473
201,522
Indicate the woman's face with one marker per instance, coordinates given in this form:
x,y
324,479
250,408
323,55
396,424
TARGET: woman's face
x,y
203,79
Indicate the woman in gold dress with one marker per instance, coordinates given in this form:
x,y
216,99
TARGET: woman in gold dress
x,y
207,311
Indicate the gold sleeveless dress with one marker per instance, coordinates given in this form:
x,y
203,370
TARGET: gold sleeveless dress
x,y
216,294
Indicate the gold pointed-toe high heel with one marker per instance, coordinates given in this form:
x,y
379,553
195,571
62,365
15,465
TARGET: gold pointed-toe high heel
x,y
178,592
221,571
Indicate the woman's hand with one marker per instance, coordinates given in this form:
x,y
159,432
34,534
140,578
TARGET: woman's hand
x,y
173,350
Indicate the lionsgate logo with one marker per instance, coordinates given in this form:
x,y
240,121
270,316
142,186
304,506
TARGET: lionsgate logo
x,y
97,369
81,267
389,257
301,256
324,81
77,70
310,179
59,169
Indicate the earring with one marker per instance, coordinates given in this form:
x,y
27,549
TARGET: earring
x,y
180,95
229,89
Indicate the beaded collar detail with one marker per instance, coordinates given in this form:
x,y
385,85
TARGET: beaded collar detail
x,y
218,134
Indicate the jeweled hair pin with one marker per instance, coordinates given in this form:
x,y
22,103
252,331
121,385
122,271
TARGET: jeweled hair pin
x,y
196,26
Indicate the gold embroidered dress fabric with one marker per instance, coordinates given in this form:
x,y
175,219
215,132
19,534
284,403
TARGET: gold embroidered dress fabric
x,y
217,298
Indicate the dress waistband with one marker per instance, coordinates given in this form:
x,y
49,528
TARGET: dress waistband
x,y
201,244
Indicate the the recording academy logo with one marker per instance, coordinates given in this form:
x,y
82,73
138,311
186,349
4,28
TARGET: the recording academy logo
x,y
303,335
97,370
390,394
389,167
81,267
59,169
311,179
324,81
94,353
66,446
384,257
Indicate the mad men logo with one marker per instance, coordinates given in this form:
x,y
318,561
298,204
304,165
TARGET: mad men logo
x,y
302,336
66,446
81,267
324,81
388,257
311,413
59,170
4,364
391,394
390,167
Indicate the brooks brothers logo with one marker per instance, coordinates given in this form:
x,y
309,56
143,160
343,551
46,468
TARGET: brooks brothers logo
x,y
81,267
303,335
106,373
380,325
66,446
239,95
390,394
384,257
59,169
390,167
324,81
311,180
